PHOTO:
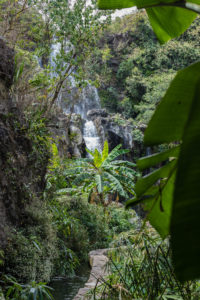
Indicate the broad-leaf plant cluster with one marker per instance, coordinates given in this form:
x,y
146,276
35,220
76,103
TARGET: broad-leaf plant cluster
x,y
171,192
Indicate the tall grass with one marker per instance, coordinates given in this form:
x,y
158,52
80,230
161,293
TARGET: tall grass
x,y
140,267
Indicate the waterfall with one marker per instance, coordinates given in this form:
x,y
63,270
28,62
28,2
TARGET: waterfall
x,y
92,140
86,100
71,100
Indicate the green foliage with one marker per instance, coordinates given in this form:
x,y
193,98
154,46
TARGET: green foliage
x,y
144,68
91,224
32,291
121,220
125,69
140,266
159,13
138,137
65,227
31,251
63,20
106,54
103,174
171,192
176,115
109,99
82,227
1,257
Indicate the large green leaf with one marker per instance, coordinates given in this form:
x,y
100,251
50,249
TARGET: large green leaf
x,y
126,182
172,113
147,181
155,159
97,158
114,154
116,185
155,190
99,185
159,207
167,21
123,162
118,4
185,226
115,4
82,177
105,151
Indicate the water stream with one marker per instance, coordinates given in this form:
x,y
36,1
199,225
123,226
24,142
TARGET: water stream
x,y
66,288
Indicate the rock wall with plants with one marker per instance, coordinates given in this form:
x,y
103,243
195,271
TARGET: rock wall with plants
x,y
134,70
26,238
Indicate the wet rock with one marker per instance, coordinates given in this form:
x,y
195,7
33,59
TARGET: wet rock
x,y
95,113
66,129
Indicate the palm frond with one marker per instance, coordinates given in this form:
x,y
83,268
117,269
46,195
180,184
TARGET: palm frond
x,y
105,151
90,152
97,158
126,182
116,185
99,183
128,172
114,154
82,177
123,162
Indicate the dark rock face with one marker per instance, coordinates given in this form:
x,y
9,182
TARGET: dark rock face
x,y
22,169
115,42
95,113
6,64
67,130
108,129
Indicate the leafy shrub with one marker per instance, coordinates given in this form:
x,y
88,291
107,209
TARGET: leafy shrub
x,y
31,249
31,291
125,69
121,220
82,227
88,227
142,269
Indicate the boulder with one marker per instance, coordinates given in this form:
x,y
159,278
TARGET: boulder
x,y
95,113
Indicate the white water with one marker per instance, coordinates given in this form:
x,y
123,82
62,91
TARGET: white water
x,y
90,136
73,101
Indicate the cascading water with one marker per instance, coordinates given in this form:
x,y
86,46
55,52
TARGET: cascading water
x,y
86,100
91,101
71,100
90,136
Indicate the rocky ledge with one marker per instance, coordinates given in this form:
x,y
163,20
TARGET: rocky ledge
x,y
116,131
98,262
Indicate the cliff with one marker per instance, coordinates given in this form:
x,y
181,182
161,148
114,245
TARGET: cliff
x,y
23,162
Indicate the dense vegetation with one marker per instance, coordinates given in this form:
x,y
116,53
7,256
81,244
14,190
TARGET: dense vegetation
x,y
58,207
176,120
134,70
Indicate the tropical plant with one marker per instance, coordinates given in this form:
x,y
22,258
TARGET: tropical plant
x,y
140,267
32,290
171,193
102,174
